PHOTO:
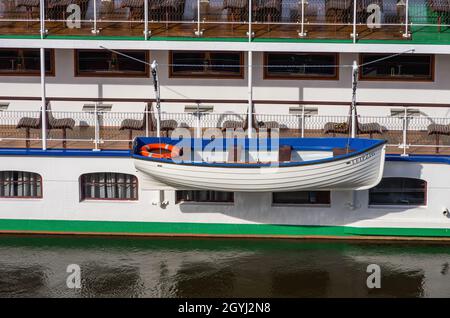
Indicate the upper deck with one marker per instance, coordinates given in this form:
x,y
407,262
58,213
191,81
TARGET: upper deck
x,y
329,21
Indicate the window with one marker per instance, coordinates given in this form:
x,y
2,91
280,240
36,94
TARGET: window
x,y
407,67
20,184
106,63
108,186
206,64
301,197
399,191
25,62
301,66
204,196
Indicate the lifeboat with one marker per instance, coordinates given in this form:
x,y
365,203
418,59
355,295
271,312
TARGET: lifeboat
x,y
255,165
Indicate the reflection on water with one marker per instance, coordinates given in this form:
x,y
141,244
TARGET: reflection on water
x,y
149,267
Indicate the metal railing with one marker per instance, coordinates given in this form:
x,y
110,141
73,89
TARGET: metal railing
x,y
96,129
336,19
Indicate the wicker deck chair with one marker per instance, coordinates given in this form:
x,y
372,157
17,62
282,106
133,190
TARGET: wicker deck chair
x,y
57,9
362,128
338,11
267,11
31,7
237,11
233,124
134,124
59,123
438,130
136,8
29,123
166,125
166,10
442,9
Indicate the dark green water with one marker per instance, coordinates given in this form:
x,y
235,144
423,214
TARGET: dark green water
x,y
143,267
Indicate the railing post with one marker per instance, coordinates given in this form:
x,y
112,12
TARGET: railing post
x,y
250,94
198,32
43,100
147,115
96,128
405,124
354,35
250,20
406,34
146,31
198,128
95,30
302,32
303,121
42,18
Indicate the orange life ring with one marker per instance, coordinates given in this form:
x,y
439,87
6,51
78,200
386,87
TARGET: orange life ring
x,y
174,151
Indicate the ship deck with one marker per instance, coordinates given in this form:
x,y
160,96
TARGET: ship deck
x,y
111,138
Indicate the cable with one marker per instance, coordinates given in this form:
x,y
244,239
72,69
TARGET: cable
x,y
260,65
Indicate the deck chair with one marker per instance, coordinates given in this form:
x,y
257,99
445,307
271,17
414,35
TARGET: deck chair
x,y
267,11
438,130
136,8
134,124
442,9
166,10
338,10
361,128
237,11
166,125
233,124
30,123
59,123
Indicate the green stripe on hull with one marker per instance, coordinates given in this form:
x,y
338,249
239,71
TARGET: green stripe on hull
x,y
213,229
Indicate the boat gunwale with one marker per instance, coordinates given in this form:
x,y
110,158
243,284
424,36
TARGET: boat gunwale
x,y
377,143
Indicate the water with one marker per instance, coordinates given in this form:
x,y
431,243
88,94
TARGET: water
x,y
149,267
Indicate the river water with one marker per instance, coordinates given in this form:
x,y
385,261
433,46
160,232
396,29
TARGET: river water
x,y
182,267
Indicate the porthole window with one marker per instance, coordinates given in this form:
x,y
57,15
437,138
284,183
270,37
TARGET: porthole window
x,y
20,184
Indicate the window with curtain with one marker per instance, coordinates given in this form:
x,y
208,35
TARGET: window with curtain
x,y
108,186
25,62
399,191
106,63
405,67
206,64
301,197
281,65
20,184
204,196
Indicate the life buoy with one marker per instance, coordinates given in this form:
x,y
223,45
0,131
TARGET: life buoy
x,y
174,151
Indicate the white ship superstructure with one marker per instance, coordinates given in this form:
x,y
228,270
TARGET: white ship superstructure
x,y
74,94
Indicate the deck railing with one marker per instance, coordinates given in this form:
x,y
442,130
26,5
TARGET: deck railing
x,y
97,129
334,19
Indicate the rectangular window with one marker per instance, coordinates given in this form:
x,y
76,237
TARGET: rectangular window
x,y
301,197
204,196
108,186
399,191
301,66
106,63
20,184
406,67
25,62
206,64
